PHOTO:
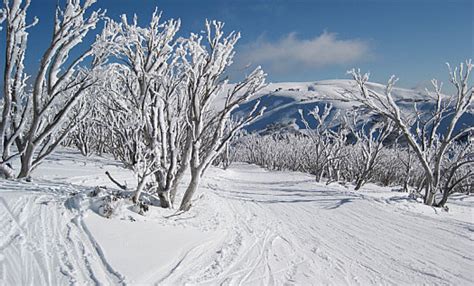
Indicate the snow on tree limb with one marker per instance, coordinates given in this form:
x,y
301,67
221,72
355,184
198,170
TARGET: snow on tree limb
x,y
427,140
41,120
15,102
205,64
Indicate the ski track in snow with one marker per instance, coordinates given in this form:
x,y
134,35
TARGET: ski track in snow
x,y
284,229
278,228
43,243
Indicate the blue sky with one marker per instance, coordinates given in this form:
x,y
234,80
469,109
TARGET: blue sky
x,y
308,40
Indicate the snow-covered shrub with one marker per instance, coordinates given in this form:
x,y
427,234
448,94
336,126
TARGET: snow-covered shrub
x,y
371,140
104,202
394,165
424,130
457,173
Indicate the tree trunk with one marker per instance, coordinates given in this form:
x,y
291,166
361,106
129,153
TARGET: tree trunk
x,y
319,176
6,171
6,151
444,199
359,184
136,196
226,157
328,173
174,185
164,199
429,195
192,187
405,186
180,172
173,191
26,162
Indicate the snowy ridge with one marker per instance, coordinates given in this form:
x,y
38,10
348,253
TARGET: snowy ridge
x,y
250,226
283,100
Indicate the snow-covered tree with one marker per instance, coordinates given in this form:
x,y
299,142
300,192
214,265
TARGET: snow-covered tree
x,y
426,136
39,120
406,158
457,173
149,84
14,102
227,156
205,64
89,135
326,139
370,141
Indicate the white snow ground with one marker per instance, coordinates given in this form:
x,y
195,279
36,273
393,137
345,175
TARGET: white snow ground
x,y
249,227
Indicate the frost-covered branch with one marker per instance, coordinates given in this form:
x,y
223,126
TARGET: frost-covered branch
x,y
15,103
147,108
61,82
205,64
428,141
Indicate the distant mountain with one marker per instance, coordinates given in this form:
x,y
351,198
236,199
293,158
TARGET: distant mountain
x,y
283,100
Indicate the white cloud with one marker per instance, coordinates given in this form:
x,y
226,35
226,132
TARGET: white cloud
x,y
290,53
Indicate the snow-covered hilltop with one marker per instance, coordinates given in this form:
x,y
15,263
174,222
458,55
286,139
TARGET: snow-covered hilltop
x,y
283,100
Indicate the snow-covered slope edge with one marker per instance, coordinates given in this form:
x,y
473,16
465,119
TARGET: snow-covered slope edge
x,y
250,226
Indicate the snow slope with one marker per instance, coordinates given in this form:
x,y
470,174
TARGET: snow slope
x,y
284,99
249,227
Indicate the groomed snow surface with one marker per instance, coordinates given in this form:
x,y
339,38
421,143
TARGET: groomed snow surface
x,y
248,226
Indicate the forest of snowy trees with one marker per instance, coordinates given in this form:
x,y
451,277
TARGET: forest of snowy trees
x,y
162,104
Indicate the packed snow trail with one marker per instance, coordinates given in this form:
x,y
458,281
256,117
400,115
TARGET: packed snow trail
x,y
284,228
248,227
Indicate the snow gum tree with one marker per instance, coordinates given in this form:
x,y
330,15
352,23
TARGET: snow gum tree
x,y
151,79
370,141
169,104
14,101
38,120
327,141
427,137
88,136
205,63
458,170
61,82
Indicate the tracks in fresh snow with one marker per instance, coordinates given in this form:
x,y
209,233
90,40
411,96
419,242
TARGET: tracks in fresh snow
x,y
285,228
42,243
267,228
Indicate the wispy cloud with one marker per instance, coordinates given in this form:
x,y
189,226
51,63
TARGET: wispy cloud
x,y
291,53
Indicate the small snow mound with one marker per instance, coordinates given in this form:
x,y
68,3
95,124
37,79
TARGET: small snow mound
x,y
100,200
77,201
